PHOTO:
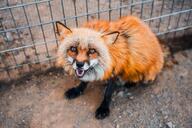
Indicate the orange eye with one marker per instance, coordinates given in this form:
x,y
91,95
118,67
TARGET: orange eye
x,y
73,49
91,51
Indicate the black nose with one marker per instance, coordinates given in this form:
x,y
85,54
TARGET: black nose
x,y
79,64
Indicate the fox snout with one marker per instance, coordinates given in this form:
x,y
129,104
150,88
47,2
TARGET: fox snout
x,y
79,64
80,68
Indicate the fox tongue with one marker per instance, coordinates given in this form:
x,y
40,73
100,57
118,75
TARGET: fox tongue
x,y
80,72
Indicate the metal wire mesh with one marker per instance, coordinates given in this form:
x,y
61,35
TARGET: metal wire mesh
x,y
28,41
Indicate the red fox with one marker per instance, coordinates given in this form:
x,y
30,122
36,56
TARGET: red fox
x,y
100,50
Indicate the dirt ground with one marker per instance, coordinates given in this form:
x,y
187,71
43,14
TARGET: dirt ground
x,y
38,101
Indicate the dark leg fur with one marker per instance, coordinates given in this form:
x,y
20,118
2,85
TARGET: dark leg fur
x,y
103,110
130,85
140,83
76,91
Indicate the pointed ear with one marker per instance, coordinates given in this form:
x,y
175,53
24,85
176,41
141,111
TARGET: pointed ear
x,y
61,29
111,37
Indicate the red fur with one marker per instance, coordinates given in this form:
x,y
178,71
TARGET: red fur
x,y
136,54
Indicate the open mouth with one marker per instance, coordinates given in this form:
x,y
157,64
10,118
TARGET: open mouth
x,y
80,72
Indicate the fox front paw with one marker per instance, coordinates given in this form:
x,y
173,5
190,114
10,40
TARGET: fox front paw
x,y
72,93
102,112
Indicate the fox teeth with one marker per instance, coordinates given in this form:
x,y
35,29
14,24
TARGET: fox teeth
x,y
80,72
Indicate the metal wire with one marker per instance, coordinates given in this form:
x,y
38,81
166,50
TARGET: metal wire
x,y
23,4
98,8
141,10
15,25
169,20
30,31
76,16
131,6
28,20
110,10
43,32
152,5
120,10
50,9
86,2
177,24
162,6
75,8
63,11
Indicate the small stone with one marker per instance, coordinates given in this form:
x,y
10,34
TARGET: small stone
x,y
170,125
53,82
120,94
9,36
115,93
128,94
165,117
10,97
117,126
115,121
170,27
13,86
184,73
131,97
129,114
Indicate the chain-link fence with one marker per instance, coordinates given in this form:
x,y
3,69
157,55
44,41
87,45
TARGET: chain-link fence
x,y
28,41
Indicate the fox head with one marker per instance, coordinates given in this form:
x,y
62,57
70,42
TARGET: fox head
x,y
84,52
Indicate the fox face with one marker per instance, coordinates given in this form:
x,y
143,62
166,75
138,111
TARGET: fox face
x,y
85,62
84,52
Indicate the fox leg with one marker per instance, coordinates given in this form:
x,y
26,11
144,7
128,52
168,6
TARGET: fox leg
x,y
103,110
130,84
76,91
